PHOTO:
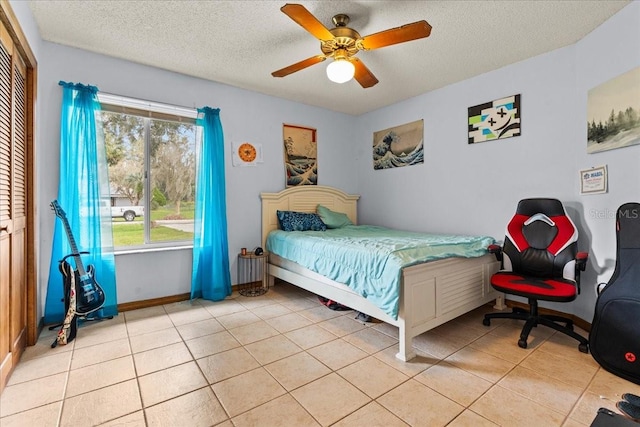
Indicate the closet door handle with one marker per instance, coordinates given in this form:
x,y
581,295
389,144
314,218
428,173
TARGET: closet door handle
x,y
4,228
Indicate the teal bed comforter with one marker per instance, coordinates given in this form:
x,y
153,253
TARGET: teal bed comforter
x,y
369,259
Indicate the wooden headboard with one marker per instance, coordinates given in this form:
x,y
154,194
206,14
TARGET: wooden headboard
x,y
305,198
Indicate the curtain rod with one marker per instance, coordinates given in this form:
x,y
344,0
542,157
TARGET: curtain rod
x,y
160,107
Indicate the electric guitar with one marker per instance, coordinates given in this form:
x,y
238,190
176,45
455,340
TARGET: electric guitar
x,y
89,296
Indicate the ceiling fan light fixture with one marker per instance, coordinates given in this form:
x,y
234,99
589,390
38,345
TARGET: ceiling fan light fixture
x,y
340,71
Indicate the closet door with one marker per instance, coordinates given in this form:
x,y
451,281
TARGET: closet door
x,y
13,206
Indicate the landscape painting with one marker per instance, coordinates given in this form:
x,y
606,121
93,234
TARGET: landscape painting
x,y
300,155
613,113
399,146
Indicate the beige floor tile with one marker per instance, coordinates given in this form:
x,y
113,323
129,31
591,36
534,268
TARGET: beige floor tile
x,y
459,335
132,420
220,366
148,324
272,349
337,354
299,304
436,345
481,364
212,344
370,340
42,416
470,419
187,314
199,329
253,303
330,398
31,394
297,370
271,311
572,423
144,313
40,367
222,308
611,386
288,322
310,336
371,415
42,348
418,405
360,375
505,346
341,326
535,386
254,332
155,339
567,347
161,358
101,405
241,318
199,408
410,368
446,379
385,328
587,407
507,408
282,411
233,395
100,353
574,372
100,332
321,313
100,375
169,383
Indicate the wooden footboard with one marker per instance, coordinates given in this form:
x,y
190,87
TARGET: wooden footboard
x,y
431,293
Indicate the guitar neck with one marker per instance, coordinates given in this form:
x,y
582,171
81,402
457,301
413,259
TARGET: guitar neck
x,y
74,248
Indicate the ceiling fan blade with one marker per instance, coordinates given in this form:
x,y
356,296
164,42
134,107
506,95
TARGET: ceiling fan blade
x,y
363,75
416,30
299,66
306,20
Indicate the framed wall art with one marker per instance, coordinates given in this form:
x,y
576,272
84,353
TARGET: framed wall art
x,y
497,119
613,113
399,146
300,155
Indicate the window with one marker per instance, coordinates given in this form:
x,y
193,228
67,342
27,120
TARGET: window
x,y
151,155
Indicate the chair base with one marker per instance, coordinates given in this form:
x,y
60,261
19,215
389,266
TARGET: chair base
x,y
532,319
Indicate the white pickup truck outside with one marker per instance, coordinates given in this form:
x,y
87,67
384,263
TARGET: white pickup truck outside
x,y
129,213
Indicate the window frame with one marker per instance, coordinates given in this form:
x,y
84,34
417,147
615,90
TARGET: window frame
x,y
151,110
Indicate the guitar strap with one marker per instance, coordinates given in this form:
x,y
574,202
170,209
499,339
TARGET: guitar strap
x,y
69,327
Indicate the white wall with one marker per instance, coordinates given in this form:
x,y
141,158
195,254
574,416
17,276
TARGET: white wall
x,y
464,188
245,115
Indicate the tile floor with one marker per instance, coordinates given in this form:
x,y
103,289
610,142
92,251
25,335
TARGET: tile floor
x,y
282,359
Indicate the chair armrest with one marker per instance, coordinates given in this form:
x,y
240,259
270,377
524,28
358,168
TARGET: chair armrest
x,y
581,260
496,250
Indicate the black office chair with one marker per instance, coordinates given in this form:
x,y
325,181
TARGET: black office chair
x,y
539,261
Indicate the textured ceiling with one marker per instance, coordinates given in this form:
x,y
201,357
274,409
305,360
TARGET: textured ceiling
x,y
240,43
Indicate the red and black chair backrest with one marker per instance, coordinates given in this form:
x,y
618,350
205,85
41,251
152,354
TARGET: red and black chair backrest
x,y
541,240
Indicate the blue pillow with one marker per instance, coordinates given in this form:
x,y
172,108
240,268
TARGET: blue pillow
x,y
300,221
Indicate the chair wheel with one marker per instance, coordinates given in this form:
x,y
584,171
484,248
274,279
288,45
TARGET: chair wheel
x,y
584,348
486,322
522,343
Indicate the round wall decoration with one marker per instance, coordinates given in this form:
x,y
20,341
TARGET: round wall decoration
x,y
247,152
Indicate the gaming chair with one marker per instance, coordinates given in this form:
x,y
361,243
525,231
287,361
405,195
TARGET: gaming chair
x,y
539,261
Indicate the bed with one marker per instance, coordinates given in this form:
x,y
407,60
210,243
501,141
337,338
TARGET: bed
x,y
430,293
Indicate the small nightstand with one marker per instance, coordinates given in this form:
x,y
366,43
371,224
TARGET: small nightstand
x,y
252,274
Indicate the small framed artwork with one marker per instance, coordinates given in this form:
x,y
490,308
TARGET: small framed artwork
x,y
399,146
300,155
593,180
246,153
497,119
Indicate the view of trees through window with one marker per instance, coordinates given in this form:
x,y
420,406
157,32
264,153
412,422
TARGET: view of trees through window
x,y
152,178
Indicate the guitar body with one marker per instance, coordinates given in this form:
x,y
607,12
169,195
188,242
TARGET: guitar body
x,y
89,295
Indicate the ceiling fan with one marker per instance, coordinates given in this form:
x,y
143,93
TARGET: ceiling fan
x,y
343,43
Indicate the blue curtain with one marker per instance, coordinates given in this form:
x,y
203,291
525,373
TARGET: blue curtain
x,y
211,278
83,185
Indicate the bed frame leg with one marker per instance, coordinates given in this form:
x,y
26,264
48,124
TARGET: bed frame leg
x,y
405,350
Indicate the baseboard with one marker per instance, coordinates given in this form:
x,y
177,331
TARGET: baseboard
x,y
135,305
579,322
